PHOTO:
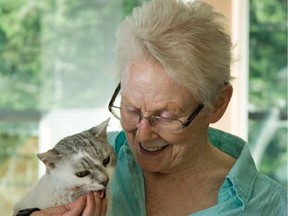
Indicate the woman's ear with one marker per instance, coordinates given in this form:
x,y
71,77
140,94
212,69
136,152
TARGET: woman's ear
x,y
221,104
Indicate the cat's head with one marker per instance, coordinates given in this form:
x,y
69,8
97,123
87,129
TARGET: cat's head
x,y
83,161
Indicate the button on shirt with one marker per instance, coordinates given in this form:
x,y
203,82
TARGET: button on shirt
x,y
245,191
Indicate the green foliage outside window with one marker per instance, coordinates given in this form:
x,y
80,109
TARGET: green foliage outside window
x,y
53,54
268,84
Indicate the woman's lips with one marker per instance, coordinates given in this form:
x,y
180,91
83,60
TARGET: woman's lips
x,y
152,149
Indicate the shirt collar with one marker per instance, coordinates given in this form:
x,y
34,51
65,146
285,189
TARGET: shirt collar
x,y
243,173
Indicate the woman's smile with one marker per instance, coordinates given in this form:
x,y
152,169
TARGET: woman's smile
x,y
146,148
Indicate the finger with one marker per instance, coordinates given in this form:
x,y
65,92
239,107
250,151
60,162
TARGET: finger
x,y
76,208
98,202
104,207
90,205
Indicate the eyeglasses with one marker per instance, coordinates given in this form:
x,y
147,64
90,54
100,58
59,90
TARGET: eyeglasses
x,y
130,118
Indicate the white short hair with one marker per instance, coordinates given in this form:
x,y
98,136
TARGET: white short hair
x,y
189,40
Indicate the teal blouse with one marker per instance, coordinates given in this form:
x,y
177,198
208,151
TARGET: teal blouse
x,y
245,191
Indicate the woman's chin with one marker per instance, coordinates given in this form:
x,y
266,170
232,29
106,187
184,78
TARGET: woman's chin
x,y
150,159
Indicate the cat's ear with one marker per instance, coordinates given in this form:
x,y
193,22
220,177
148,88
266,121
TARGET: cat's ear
x,y
100,130
50,158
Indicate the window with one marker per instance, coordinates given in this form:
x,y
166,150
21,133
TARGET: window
x,y
268,87
55,71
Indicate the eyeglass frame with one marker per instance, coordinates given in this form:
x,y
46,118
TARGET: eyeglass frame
x,y
184,125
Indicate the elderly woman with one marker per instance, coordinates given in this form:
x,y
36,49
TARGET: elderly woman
x,y
174,65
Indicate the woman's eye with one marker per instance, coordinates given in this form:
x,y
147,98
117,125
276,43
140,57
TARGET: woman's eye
x,y
132,110
82,174
106,161
168,115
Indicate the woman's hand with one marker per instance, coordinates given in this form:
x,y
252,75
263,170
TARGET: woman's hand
x,y
88,205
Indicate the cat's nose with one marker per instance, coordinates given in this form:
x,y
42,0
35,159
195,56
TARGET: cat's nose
x,y
105,182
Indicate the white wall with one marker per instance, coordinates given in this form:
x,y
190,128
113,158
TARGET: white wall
x,y
235,119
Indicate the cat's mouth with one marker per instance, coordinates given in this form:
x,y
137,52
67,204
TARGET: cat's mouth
x,y
102,194
78,192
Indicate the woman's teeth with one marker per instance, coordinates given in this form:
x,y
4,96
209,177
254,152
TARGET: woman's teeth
x,y
152,149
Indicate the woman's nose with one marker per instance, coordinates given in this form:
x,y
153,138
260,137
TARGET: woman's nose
x,y
145,131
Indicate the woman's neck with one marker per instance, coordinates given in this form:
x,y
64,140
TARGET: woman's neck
x,y
196,182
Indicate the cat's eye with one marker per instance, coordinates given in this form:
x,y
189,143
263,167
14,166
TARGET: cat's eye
x,y
106,161
82,174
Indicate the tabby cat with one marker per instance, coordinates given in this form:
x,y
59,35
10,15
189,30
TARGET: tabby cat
x,y
78,164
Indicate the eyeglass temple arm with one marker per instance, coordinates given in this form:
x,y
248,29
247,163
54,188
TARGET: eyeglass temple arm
x,y
193,115
114,96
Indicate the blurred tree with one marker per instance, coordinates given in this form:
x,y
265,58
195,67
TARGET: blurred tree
x,y
128,5
268,54
20,32
57,53
53,54
268,81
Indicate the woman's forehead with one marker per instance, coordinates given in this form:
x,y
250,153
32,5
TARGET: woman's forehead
x,y
147,82
148,72
141,86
